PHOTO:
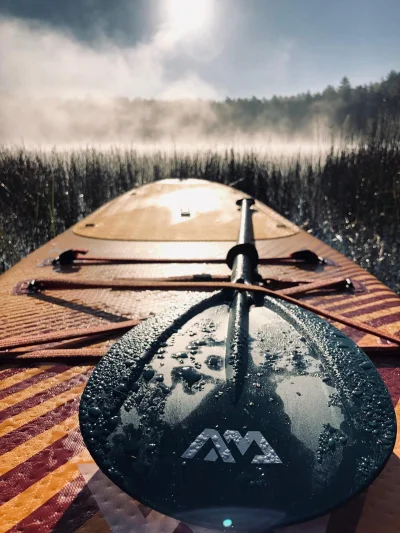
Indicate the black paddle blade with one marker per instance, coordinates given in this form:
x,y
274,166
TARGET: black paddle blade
x,y
200,433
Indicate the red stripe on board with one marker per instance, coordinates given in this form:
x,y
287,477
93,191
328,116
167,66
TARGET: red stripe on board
x,y
382,298
4,374
350,270
343,268
65,512
384,320
391,377
357,335
373,309
21,385
43,396
369,280
39,425
346,297
40,465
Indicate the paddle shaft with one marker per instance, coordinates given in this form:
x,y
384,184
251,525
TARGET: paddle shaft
x,y
236,360
242,265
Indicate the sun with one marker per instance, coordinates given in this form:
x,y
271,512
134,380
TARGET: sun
x,y
189,16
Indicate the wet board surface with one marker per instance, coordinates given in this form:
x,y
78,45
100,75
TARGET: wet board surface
x,y
48,481
166,211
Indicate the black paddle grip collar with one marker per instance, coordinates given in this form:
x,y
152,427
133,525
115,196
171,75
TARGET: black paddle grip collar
x,y
247,249
250,201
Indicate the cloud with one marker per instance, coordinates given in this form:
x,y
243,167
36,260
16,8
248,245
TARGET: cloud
x,y
38,60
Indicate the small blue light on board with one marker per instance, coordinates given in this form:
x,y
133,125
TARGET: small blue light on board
x,y
227,522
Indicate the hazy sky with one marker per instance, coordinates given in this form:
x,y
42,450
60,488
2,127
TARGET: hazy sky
x,y
199,48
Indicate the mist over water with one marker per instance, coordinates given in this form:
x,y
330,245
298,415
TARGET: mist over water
x,y
58,91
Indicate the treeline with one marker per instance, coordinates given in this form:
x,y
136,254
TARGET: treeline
x,y
357,110
370,110
360,110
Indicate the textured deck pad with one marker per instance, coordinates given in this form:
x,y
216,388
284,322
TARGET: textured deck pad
x,y
48,481
167,211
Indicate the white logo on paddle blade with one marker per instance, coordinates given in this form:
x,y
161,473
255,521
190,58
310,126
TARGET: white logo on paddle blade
x,y
243,443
